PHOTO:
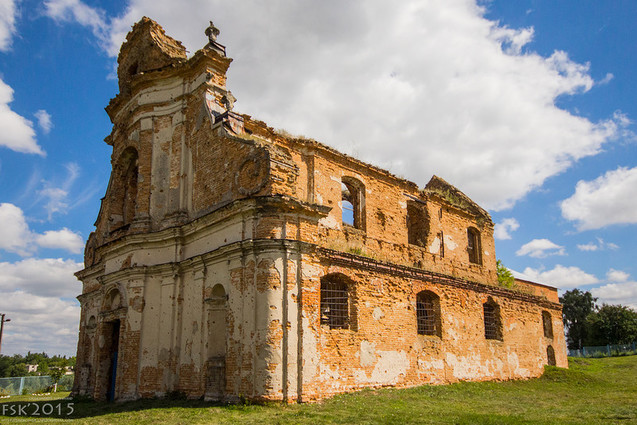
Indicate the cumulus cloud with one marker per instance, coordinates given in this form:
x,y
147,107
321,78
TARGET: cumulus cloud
x,y
51,277
44,120
597,246
8,12
624,293
505,227
609,199
65,239
562,277
39,323
415,87
617,276
17,132
17,237
540,248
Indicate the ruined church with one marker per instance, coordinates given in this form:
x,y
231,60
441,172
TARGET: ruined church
x,y
230,260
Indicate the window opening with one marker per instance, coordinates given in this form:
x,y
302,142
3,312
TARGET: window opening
x,y
334,303
473,246
492,328
428,313
353,203
417,224
347,206
550,356
547,324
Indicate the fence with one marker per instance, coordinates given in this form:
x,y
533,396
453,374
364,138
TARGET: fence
x,y
30,384
603,350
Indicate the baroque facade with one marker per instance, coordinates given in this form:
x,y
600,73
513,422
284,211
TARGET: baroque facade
x,y
232,260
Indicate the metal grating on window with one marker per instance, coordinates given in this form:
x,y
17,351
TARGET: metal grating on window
x,y
490,322
426,315
334,304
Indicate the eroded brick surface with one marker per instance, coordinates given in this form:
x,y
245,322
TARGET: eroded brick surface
x,y
204,272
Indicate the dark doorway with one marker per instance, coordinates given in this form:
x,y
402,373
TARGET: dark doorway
x,y
112,356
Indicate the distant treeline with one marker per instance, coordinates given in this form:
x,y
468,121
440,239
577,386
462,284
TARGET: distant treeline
x,y
16,365
588,324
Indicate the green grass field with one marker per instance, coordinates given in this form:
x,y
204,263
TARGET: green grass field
x,y
592,391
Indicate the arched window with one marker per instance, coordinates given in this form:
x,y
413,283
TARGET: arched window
x,y
417,224
335,301
492,320
428,313
550,356
125,177
547,323
353,202
474,246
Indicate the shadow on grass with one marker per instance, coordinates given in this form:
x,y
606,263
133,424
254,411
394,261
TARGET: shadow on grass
x,y
68,408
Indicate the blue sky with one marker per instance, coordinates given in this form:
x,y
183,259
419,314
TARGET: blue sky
x,y
526,106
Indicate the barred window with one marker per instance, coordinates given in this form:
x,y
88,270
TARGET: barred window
x,y
547,323
492,323
550,356
334,302
473,246
428,313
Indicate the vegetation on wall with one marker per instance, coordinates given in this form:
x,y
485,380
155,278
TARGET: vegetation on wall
x,y
505,277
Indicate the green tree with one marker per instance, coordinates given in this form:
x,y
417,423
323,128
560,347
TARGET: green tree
x,y
612,324
56,374
505,277
576,307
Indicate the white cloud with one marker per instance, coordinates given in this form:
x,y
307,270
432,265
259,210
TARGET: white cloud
x,y
8,12
17,132
617,276
51,277
540,248
607,200
561,277
597,246
416,87
39,323
624,293
15,235
44,120
77,11
64,239
503,229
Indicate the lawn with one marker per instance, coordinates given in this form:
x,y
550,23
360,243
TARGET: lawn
x,y
592,391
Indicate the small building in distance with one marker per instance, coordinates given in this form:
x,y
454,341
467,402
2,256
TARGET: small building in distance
x,y
233,260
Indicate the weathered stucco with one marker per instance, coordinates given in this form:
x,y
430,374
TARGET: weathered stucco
x,y
216,234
